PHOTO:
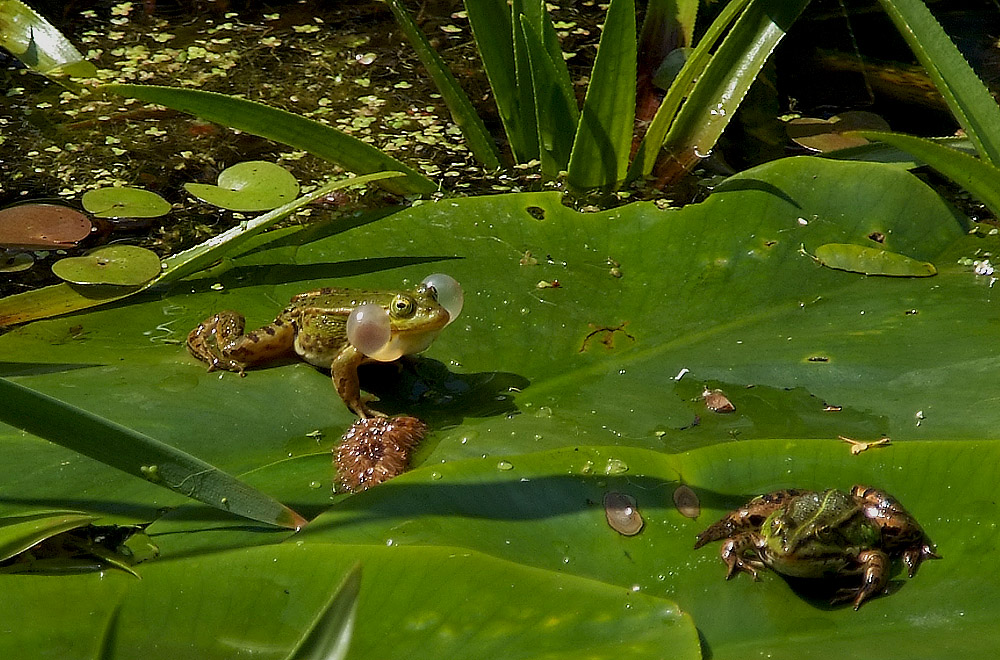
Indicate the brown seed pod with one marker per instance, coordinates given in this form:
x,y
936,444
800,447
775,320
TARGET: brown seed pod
x,y
374,450
622,514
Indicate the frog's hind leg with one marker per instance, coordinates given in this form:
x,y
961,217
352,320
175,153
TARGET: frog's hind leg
x,y
740,555
874,577
221,343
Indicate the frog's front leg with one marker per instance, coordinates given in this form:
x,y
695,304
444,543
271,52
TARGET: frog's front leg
x,y
735,553
219,341
344,372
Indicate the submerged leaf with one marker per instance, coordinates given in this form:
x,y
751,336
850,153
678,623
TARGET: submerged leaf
x,y
122,265
254,185
871,261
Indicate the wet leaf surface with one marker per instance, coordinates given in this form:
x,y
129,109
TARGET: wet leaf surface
x,y
570,392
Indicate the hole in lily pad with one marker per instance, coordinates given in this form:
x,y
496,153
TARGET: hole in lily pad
x,y
36,226
124,202
255,185
122,265
13,263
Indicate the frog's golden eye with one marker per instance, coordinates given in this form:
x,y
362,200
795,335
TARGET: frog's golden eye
x,y
402,306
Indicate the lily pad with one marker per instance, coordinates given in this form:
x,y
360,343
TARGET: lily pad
x,y
539,402
42,226
124,202
14,263
122,265
253,185
825,135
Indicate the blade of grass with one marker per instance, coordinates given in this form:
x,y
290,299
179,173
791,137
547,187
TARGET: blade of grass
x,y
556,110
539,18
965,94
492,29
296,131
720,89
65,298
39,45
464,115
699,58
138,455
980,179
524,89
603,138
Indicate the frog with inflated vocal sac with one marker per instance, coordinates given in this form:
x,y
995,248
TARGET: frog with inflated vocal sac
x,y
337,329
811,534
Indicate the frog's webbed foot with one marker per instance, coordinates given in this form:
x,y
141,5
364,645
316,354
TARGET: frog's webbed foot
x,y
734,553
344,372
874,577
207,341
916,555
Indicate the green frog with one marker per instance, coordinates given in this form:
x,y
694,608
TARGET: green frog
x,y
811,534
336,329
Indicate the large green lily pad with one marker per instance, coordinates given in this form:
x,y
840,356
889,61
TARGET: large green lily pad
x,y
652,307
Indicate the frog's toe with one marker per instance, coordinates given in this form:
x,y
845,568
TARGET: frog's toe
x,y
732,554
874,577
913,557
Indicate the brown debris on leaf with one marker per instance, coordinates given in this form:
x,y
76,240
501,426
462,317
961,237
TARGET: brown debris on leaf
x,y
717,401
858,446
374,450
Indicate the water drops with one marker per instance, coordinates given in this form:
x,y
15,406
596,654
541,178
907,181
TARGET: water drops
x,y
435,476
315,484
615,467
505,465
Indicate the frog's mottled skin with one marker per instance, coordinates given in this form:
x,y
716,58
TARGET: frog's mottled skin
x,y
810,534
314,326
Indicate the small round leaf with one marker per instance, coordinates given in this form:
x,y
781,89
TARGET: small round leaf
x,y
42,226
251,186
16,262
124,202
123,265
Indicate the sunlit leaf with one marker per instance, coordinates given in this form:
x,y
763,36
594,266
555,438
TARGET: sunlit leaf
x,y
38,44
124,202
252,185
603,139
120,265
